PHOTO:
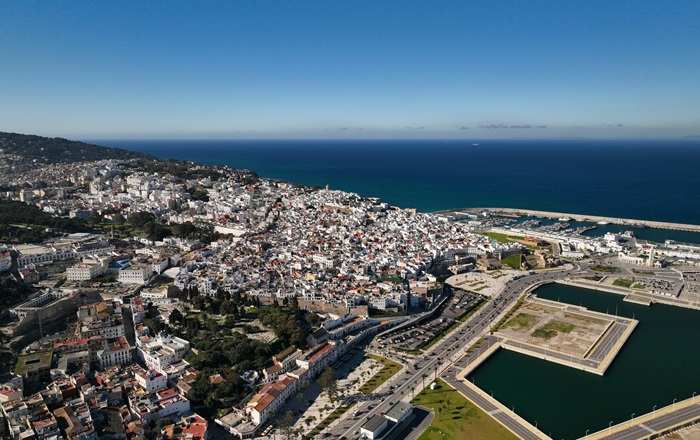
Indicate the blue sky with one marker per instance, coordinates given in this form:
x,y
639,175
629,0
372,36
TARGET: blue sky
x,y
325,69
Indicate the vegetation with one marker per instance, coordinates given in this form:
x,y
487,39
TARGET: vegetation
x,y
178,169
328,383
623,282
389,369
291,324
332,417
521,321
552,328
515,261
456,418
510,313
220,348
54,150
146,225
468,313
604,269
24,223
503,238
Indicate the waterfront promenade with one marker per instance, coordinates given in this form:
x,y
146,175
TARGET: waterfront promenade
x,y
582,217
654,424
642,298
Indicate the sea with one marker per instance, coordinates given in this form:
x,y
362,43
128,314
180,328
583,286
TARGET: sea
x,y
655,180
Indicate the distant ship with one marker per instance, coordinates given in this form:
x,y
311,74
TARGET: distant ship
x,y
475,145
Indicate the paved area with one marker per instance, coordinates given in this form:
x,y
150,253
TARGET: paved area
x,y
608,341
323,406
689,433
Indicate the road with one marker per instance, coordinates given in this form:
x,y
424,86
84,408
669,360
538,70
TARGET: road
x,y
661,423
608,341
446,356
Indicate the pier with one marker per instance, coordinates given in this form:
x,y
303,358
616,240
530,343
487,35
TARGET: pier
x,y
581,217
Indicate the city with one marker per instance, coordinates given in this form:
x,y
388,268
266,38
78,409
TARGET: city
x,y
175,300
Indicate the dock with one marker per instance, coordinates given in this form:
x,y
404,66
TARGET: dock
x,y
582,217
637,299
598,356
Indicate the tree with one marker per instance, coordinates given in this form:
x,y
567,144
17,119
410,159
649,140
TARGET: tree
x,y
176,317
328,383
286,423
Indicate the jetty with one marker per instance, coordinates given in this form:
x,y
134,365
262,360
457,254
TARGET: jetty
x,y
580,217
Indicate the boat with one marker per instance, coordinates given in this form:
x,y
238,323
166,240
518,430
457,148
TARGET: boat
x,y
564,219
602,222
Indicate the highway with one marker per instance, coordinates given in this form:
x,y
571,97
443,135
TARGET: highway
x,y
445,355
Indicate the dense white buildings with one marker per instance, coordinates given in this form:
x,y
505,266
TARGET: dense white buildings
x,y
161,351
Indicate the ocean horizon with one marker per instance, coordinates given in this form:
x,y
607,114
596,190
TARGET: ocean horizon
x,y
645,179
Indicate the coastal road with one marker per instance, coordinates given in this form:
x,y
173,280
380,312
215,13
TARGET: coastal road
x,y
446,355
659,424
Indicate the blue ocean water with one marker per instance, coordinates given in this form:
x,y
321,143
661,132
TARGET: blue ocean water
x,y
657,180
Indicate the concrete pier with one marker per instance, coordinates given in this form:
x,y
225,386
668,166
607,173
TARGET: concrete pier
x,y
582,217
598,356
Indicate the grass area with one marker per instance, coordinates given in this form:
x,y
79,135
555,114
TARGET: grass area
x,y
515,261
552,328
604,269
509,314
639,286
623,282
521,321
456,418
389,369
503,238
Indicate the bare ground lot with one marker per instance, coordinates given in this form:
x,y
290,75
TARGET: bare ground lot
x,y
553,327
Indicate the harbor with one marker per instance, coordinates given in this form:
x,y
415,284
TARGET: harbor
x,y
565,216
567,403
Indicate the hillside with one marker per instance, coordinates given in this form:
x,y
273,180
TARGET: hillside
x,y
53,150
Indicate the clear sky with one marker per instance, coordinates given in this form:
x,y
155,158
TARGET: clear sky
x,y
345,68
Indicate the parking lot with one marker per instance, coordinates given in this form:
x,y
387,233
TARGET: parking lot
x,y
419,336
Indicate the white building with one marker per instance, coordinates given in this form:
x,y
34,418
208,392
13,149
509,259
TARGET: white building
x,y
114,352
150,380
88,269
134,275
163,350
